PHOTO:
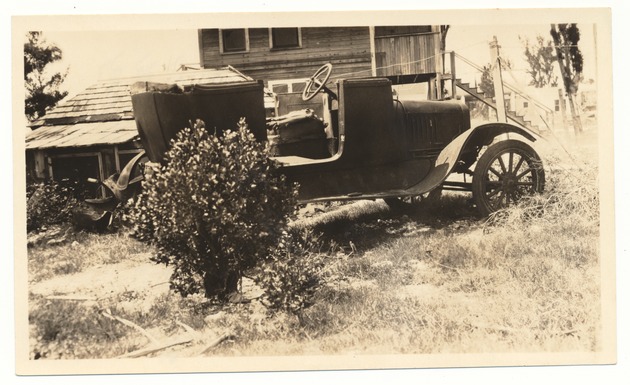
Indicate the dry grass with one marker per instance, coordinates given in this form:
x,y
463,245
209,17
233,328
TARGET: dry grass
x,y
440,281
434,280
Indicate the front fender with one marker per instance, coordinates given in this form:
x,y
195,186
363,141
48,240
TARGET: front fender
x,y
485,134
463,150
482,136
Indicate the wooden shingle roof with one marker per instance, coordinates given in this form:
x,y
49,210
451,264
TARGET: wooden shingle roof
x,y
111,100
82,134
90,117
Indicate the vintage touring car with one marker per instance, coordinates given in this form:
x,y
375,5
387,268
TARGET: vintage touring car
x,y
369,144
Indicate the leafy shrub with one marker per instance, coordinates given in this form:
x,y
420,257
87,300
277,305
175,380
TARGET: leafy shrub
x,y
50,203
214,209
293,274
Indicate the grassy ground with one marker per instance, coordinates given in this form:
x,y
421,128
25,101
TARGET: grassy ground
x,y
432,279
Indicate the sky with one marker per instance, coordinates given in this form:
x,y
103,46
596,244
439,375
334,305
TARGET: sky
x,y
473,42
92,56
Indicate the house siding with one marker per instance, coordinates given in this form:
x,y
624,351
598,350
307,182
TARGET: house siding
x,y
406,54
346,48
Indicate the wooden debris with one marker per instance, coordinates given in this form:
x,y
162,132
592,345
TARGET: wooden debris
x,y
192,332
156,345
152,349
72,298
216,342
152,339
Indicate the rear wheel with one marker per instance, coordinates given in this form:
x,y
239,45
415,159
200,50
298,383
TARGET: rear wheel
x,y
402,204
506,172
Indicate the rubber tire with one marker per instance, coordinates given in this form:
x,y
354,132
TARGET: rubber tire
x,y
484,207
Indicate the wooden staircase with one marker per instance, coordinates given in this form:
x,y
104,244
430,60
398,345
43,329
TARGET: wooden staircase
x,y
511,115
473,91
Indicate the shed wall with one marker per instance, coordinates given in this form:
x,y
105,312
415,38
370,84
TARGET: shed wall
x,y
347,48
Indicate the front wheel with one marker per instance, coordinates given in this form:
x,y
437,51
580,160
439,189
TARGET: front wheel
x,y
506,172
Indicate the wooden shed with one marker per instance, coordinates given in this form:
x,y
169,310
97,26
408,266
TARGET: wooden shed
x,y
94,134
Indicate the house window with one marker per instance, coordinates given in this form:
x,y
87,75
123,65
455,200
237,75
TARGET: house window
x,y
525,104
280,38
556,105
234,40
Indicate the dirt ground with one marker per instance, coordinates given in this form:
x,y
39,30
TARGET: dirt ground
x,y
99,282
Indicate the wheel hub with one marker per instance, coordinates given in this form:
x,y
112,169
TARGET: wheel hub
x,y
508,182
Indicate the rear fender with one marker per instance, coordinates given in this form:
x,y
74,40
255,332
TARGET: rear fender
x,y
122,186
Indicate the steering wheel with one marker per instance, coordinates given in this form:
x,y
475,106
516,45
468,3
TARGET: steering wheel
x,y
319,79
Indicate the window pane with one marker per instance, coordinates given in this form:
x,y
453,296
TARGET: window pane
x,y
298,87
285,37
234,40
280,88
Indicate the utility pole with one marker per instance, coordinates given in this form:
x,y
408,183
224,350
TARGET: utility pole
x,y
497,80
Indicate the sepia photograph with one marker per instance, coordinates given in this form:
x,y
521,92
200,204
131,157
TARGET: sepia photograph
x,y
313,191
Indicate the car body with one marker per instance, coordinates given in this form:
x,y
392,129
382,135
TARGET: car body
x,y
382,146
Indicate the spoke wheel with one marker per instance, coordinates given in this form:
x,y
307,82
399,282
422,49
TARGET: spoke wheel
x,y
506,172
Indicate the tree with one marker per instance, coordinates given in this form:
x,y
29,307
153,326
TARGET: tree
x,y
42,89
570,60
541,59
443,32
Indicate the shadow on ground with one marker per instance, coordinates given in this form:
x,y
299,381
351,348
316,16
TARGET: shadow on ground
x,y
369,223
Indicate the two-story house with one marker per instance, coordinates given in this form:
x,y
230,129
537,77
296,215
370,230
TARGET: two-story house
x,y
284,58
